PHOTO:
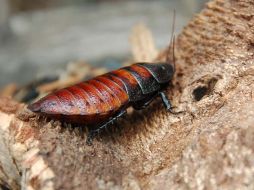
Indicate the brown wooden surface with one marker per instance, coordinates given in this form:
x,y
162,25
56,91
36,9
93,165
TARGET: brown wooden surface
x,y
208,146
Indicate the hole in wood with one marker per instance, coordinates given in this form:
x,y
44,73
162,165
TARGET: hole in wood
x,y
200,92
206,89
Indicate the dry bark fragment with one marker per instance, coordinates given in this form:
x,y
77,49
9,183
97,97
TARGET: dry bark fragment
x,y
209,146
143,48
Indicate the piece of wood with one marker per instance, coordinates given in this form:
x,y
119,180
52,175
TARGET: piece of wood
x,y
208,146
143,47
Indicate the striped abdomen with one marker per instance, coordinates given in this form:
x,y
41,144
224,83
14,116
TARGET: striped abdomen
x,y
99,98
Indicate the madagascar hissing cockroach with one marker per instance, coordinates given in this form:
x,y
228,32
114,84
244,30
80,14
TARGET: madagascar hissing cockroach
x,y
102,100
105,98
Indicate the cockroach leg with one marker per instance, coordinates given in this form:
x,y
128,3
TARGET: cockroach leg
x,y
139,105
111,121
52,122
65,124
167,103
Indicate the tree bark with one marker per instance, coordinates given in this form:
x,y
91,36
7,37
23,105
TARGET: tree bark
x,y
207,146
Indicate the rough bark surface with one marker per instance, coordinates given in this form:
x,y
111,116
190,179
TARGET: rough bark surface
x,y
208,146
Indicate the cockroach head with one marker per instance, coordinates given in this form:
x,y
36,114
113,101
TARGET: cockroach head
x,y
165,72
162,71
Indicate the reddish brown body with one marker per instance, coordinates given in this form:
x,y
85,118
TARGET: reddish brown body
x,y
103,97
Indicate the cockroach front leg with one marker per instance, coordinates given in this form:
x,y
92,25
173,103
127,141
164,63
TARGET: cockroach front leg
x,y
167,103
111,121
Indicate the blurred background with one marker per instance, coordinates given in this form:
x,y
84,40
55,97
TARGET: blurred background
x,y
40,37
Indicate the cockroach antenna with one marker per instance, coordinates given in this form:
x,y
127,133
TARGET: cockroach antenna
x,y
172,41
173,52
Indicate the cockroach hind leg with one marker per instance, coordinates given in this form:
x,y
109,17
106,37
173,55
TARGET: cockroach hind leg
x,y
65,124
52,122
118,127
92,133
89,138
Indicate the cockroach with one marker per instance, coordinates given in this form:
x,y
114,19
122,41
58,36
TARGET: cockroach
x,y
100,101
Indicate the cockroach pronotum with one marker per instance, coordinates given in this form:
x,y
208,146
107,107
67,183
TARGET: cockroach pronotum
x,y
102,100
